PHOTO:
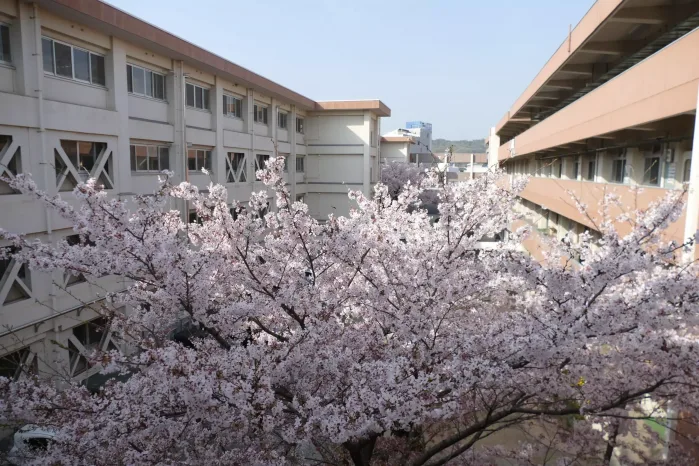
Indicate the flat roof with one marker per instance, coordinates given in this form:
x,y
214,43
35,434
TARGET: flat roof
x,y
397,139
374,105
111,20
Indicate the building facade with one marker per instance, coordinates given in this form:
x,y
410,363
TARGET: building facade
x,y
420,134
612,110
87,90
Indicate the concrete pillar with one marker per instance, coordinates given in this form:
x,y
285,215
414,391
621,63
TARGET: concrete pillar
x,y
366,177
23,45
219,165
493,147
118,100
692,217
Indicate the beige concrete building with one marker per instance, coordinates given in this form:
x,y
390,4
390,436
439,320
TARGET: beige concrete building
x,y
86,90
614,108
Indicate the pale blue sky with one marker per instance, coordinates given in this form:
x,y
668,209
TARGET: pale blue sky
x,y
458,64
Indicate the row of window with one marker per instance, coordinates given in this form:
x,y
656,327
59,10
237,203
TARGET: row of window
x,y
619,172
68,61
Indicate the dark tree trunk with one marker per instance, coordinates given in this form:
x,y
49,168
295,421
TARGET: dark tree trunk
x,y
361,450
611,443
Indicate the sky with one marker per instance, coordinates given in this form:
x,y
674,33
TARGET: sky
x,y
458,64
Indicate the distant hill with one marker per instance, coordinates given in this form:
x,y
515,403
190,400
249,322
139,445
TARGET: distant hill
x,y
475,146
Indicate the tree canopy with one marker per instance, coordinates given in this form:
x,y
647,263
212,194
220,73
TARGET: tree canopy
x,y
376,338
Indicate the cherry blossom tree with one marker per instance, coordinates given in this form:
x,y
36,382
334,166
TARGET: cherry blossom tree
x,y
376,338
396,176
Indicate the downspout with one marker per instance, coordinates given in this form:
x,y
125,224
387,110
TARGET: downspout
x,y
183,123
42,133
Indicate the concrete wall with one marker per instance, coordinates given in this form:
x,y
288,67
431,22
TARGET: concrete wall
x,y
38,111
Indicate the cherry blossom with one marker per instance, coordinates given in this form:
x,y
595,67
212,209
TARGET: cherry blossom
x,y
376,338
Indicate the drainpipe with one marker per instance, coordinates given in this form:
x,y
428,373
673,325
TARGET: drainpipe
x,y
47,162
183,123
692,213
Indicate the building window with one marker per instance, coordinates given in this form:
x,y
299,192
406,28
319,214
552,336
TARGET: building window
x,y
299,125
20,362
198,159
141,81
282,118
15,280
260,114
651,171
619,170
197,97
149,158
72,62
87,338
232,106
10,163
687,170
83,160
236,167
576,169
5,43
591,170
260,163
300,166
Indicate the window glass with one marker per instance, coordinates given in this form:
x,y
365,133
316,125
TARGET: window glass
x,y
619,170
190,95
201,159
192,159
299,125
164,158
97,68
158,86
129,78
139,80
149,83
5,43
205,102
47,54
81,64
87,155
64,61
71,150
198,97
651,171
141,158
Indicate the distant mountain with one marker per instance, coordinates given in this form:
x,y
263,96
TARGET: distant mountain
x,y
475,146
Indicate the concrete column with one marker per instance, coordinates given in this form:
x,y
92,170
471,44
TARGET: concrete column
x,y
366,177
23,44
220,155
692,217
176,109
292,152
118,100
493,147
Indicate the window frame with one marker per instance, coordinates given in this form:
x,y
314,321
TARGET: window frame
x,y
238,106
158,147
204,90
282,115
72,62
300,125
241,170
615,160
208,157
646,172
300,164
9,44
259,166
145,72
265,113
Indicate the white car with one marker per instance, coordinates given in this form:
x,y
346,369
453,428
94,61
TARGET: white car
x,y
28,440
